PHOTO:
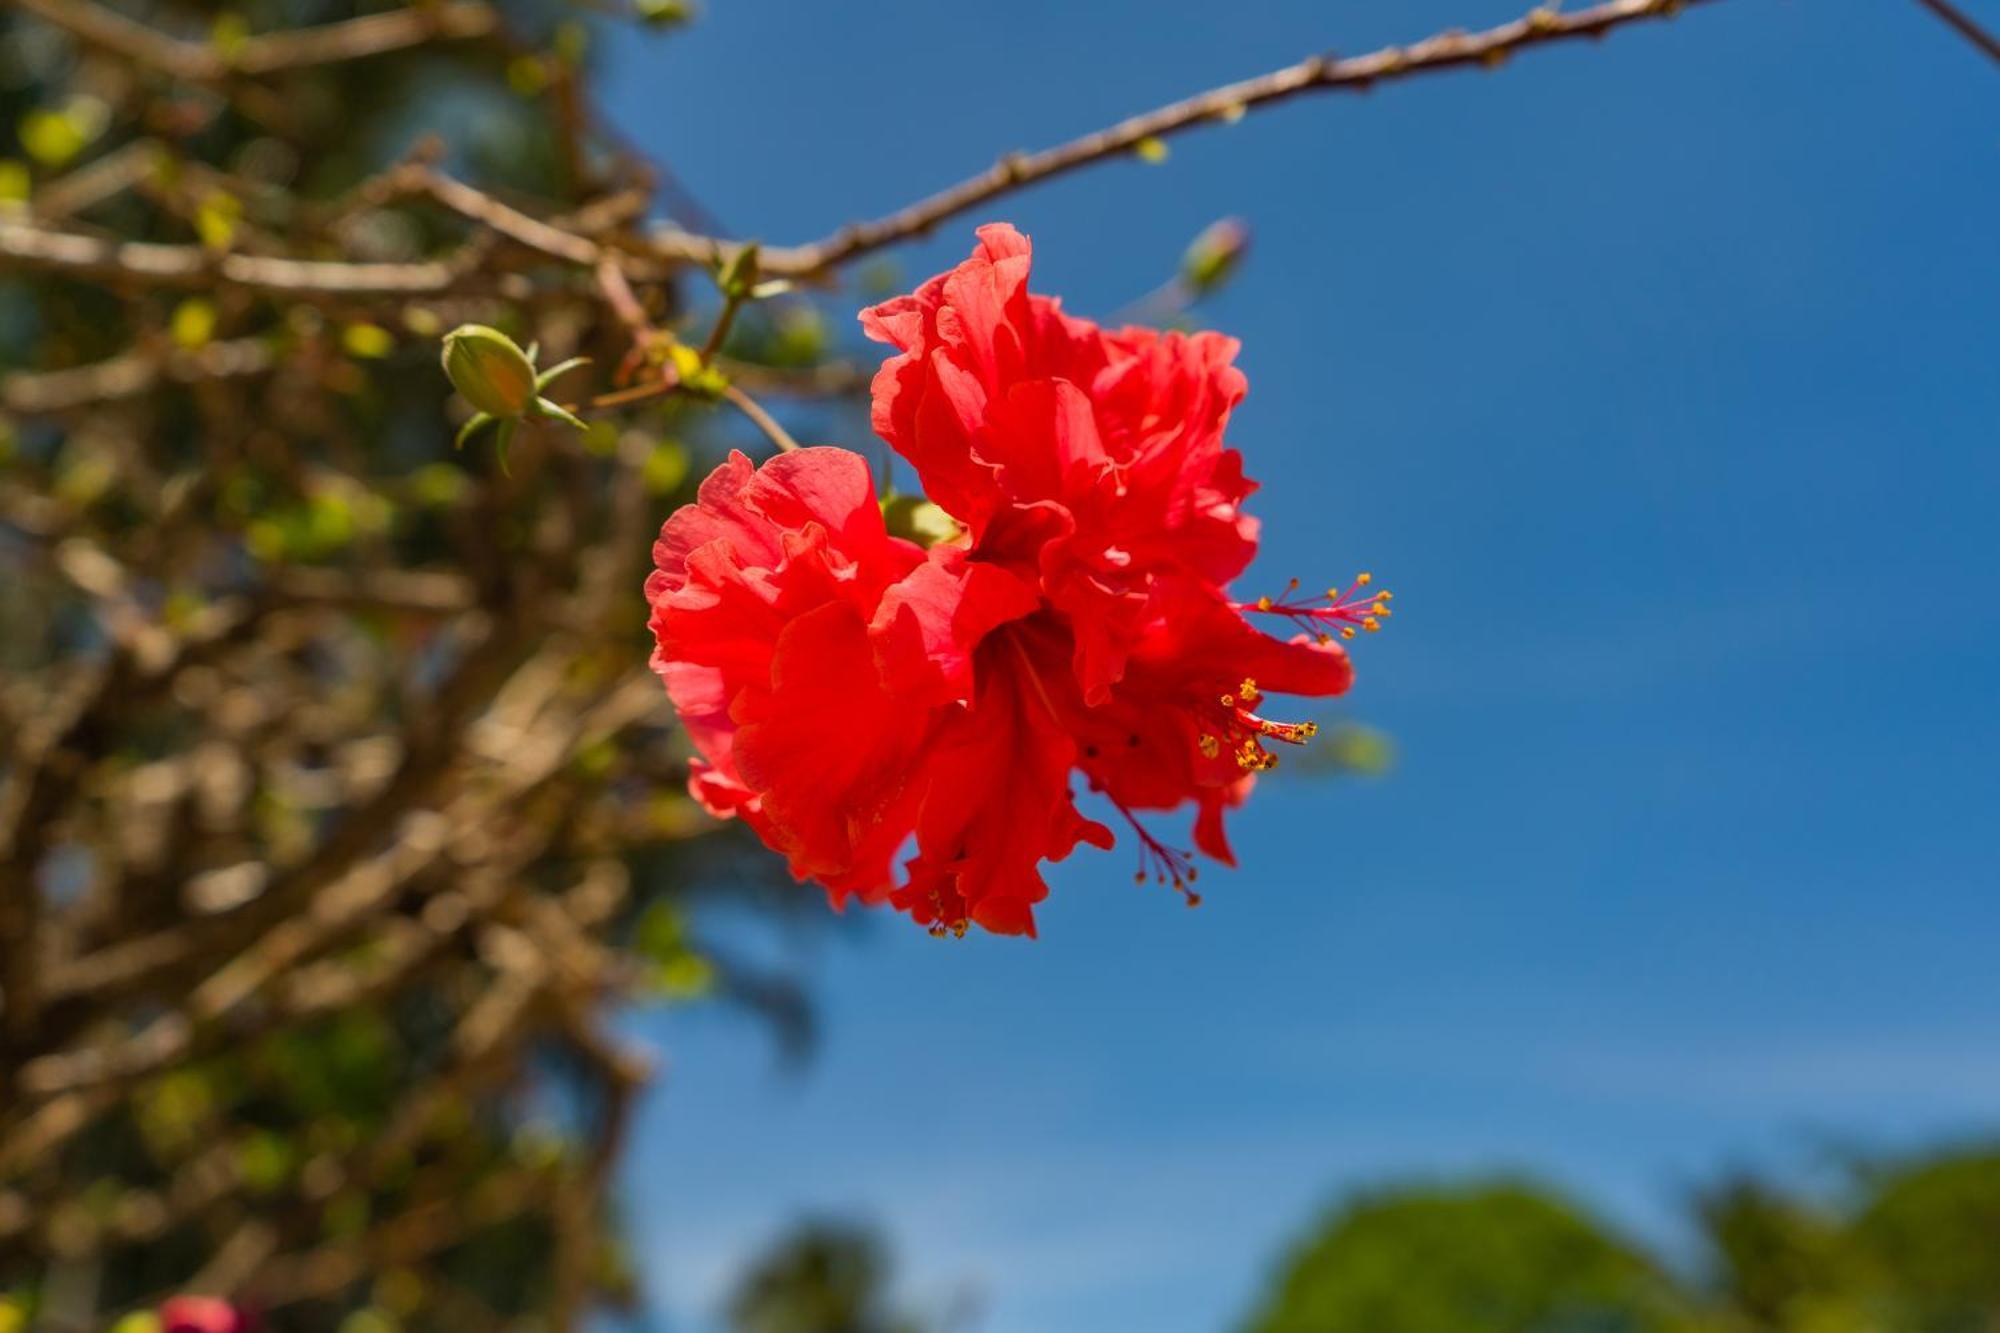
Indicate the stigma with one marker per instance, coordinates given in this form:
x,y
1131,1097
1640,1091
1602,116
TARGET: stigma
x,y
1244,732
1340,611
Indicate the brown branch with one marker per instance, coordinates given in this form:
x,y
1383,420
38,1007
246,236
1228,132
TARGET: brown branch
x,y
409,1236
158,265
1447,50
50,764
201,62
1962,23
192,266
96,181
749,407
547,237
415,591
130,375
830,379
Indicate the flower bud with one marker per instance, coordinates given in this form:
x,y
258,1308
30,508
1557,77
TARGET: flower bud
x,y
663,13
1214,254
200,1314
489,370
739,275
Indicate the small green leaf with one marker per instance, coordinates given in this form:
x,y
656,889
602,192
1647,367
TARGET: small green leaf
x,y
547,377
739,275
365,341
192,324
478,422
557,412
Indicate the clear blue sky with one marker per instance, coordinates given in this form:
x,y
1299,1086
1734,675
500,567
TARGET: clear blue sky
x,y
1660,380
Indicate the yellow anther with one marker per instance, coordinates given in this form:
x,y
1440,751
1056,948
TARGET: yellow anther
x,y
1247,691
1347,632
1364,578
1371,624
1264,604
1228,701
1209,746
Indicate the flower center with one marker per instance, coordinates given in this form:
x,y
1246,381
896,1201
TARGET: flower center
x,y
1243,733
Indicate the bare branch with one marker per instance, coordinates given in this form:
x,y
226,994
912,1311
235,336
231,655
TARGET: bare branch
x,y
157,265
1447,50
131,375
1963,25
200,62
765,422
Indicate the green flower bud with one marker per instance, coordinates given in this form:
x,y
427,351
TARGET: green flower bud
x,y
490,371
663,12
739,275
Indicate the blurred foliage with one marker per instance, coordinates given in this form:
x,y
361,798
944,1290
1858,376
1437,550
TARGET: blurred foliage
x,y
1499,1257
822,1277
1901,1246
338,806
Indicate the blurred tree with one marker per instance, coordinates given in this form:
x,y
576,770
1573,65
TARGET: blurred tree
x,y
1504,1257
338,801
1908,1246
823,1277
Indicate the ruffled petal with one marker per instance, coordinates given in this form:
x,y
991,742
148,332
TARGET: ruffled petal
x,y
827,746
995,804
931,623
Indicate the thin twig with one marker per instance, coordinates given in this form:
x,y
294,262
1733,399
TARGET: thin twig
x,y
131,374
200,62
158,265
1448,50
1962,23
765,421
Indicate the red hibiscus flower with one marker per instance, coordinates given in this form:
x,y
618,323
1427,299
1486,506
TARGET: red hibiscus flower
x,y
851,694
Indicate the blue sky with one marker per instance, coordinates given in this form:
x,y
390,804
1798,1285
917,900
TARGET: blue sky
x,y
1659,379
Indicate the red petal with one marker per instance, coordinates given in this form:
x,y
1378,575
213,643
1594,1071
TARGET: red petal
x,y
826,746
931,623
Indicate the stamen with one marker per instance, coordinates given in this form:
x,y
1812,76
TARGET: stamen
x,y
1160,863
1340,611
1246,731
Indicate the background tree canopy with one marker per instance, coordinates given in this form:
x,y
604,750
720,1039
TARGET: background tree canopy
x,y
339,802
1906,1246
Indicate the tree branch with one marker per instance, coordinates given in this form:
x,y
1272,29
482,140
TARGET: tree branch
x,y
1961,23
192,266
1447,50
202,62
